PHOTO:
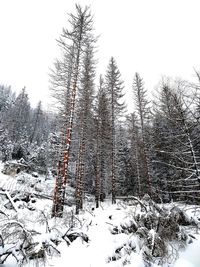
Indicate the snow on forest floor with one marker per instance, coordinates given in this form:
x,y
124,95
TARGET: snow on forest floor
x,y
103,248
103,244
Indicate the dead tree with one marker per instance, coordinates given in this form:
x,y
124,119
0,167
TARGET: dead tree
x,y
81,28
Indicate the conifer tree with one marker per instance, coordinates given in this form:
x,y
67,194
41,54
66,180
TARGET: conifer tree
x,y
36,123
85,114
103,114
20,117
73,42
175,144
141,102
134,152
114,86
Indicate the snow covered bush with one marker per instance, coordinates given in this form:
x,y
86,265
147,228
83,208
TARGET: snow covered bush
x,y
22,242
158,231
20,238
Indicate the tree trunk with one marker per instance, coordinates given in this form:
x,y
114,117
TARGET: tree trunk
x,y
60,200
98,175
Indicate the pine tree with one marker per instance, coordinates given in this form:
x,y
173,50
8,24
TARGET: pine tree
x,y
61,79
18,122
98,166
85,107
7,98
141,102
175,144
104,140
37,120
123,168
19,117
73,42
133,130
114,87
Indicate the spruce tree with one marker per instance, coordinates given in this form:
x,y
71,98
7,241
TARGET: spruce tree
x,y
177,155
103,142
114,86
142,108
85,116
73,43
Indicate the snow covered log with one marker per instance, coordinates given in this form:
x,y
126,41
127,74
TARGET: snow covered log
x,y
14,167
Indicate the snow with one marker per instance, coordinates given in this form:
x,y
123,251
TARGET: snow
x,y
102,243
97,224
190,257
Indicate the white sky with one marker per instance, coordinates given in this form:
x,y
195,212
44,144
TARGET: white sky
x,y
153,37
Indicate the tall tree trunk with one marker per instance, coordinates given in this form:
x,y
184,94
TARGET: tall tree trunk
x,y
60,200
80,170
98,168
142,109
113,155
135,145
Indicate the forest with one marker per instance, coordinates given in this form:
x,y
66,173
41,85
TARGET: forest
x,y
94,152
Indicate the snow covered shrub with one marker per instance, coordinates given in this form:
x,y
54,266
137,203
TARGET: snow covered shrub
x,y
16,241
158,231
20,238
37,159
23,244
20,150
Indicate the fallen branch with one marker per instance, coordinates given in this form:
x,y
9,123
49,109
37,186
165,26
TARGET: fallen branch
x,y
7,195
126,198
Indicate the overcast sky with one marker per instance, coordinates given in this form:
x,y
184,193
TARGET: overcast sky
x,y
152,37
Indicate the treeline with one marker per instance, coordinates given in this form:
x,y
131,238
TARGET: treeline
x,y
26,133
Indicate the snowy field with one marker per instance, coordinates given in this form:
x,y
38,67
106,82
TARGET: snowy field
x,y
98,243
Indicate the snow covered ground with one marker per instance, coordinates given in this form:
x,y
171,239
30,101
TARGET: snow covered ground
x,y
190,257
103,244
103,248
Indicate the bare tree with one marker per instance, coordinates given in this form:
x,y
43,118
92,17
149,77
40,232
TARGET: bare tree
x,y
73,42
